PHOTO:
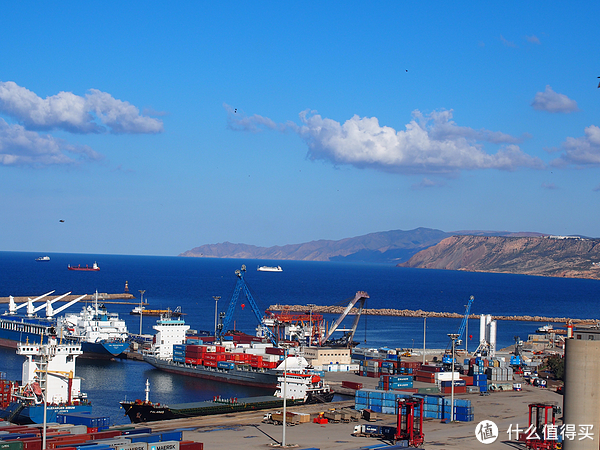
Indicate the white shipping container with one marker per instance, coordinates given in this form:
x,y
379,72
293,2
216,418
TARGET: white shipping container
x,y
165,445
447,376
133,446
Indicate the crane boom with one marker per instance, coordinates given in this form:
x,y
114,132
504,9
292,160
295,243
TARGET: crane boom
x,y
239,287
463,324
360,297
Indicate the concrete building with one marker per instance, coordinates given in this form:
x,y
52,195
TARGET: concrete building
x,y
320,356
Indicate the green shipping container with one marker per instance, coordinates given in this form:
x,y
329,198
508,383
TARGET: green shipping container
x,y
14,445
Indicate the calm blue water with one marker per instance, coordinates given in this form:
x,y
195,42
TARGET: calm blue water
x,y
192,282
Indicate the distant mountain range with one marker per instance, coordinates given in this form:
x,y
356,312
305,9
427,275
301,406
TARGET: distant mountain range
x,y
394,247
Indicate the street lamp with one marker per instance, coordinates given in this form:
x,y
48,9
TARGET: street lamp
x,y
310,338
453,337
141,308
467,335
424,332
285,355
216,297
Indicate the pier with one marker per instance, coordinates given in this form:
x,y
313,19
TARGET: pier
x,y
420,313
121,299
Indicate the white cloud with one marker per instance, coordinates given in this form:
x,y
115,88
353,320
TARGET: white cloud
x,y
533,39
20,147
553,102
507,42
581,151
238,121
430,144
426,183
73,113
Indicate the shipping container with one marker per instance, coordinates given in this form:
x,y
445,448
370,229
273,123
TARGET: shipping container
x,y
164,445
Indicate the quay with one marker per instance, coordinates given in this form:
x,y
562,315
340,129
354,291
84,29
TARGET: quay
x,y
247,431
104,297
420,313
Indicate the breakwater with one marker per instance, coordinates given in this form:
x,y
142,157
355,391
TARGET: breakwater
x,y
420,313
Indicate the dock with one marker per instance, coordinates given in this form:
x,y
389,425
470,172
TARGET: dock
x,y
121,299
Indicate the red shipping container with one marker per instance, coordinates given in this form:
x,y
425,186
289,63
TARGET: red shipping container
x,y
408,390
352,385
427,368
468,380
209,363
107,434
191,445
34,443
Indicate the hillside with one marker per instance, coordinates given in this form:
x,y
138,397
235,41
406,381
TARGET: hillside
x,y
573,258
382,247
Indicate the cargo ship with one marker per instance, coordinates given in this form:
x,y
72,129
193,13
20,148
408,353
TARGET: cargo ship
x,y
173,352
16,327
300,388
49,383
100,333
94,267
270,269
92,335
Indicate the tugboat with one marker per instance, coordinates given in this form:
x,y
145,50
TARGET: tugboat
x,y
49,383
94,268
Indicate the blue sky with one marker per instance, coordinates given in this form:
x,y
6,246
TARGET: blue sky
x,y
153,128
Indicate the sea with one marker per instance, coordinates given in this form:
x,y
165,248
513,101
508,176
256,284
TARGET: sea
x,y
193,283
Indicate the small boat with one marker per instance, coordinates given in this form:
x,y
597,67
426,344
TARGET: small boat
x,y
94,267
156,312
42,258
270,269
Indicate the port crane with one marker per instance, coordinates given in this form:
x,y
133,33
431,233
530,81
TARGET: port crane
x,y
347,339
447,358
239,287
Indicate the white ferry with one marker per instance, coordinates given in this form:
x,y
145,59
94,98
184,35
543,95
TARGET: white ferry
x,y
270,269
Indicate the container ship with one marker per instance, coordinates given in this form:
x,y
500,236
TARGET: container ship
x,y
94,268
252,365
48,373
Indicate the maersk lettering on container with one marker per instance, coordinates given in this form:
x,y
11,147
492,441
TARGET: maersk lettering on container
x,y
165,445
133,446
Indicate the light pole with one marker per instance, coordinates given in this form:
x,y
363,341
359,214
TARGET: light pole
x,y
285,355
141,308
216,297
454,337
424,332
310,338
467,335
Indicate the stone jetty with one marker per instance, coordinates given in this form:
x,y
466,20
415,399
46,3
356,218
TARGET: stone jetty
x,y
421,313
